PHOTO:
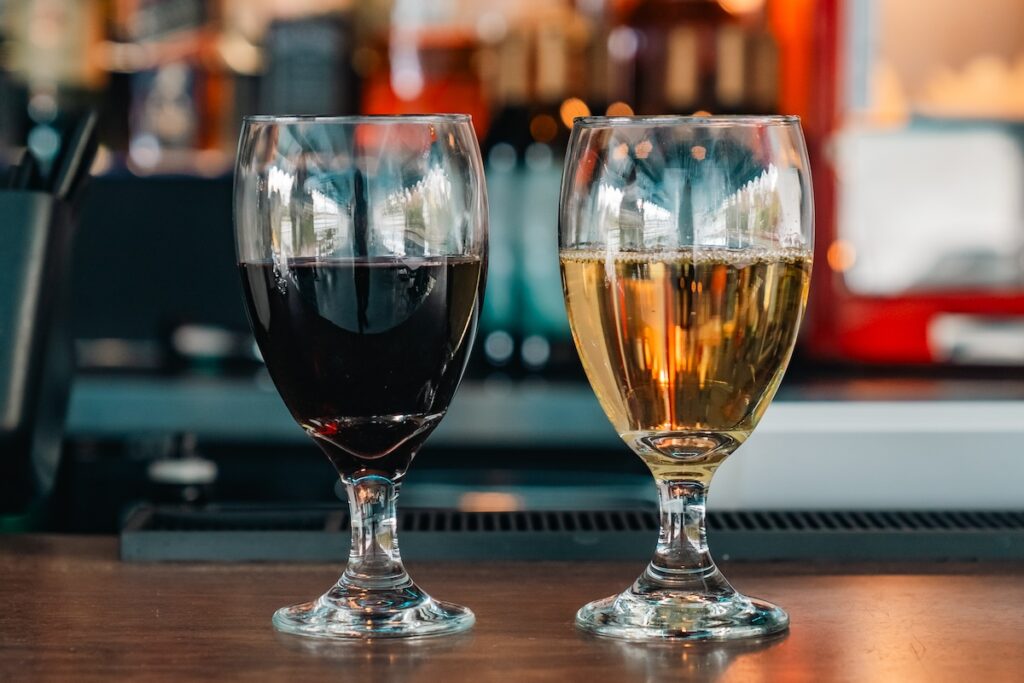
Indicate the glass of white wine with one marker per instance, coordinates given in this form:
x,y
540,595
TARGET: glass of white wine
x,y
685,247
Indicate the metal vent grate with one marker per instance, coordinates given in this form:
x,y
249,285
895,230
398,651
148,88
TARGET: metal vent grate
x,y
886,521
226,533
415,520
526,522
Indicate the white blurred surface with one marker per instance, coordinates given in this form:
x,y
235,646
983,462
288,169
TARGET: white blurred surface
x,y
931,209
879,454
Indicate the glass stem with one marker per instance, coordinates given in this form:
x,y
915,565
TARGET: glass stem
x,y
374,562
682,561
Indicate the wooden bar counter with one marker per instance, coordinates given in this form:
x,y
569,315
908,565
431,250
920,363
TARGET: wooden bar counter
x,y
71,611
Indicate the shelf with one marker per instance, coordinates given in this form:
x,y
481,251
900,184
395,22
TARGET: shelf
x,y
806,454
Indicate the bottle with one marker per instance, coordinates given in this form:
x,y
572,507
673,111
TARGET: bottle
x,y
511,100
503,149
427,63
699,55
309,66
597,71
535,63
544,327
676,45
53,56
177,86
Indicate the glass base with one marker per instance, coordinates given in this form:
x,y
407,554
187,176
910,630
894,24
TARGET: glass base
x,y
351,613
673,615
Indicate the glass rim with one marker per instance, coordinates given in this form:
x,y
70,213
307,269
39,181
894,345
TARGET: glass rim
x,y
360,119
659,120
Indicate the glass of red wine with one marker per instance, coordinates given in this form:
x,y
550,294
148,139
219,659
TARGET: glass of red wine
x,y
362,246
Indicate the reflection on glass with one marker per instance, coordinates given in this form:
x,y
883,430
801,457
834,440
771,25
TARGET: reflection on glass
x,y
686,257
362,245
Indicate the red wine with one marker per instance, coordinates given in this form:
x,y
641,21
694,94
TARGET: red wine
x,y
366,353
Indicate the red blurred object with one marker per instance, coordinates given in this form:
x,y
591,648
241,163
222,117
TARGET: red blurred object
x,y
843,325
895,330
441,79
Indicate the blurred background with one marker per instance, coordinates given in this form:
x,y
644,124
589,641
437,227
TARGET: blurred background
x,y
909,378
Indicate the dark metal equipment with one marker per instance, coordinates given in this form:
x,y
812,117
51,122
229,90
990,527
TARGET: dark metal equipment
x,y
35,350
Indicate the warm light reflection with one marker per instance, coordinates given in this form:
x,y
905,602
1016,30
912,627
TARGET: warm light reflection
x,y
490,501
103,162
543,128
240,55
841,256
988,86
619,109
741,6
572,108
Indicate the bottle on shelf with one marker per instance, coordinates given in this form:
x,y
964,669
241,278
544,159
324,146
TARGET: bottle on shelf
x,y
52,54
558,92
169,74
426,62
309,65
684,56
503,148
534,64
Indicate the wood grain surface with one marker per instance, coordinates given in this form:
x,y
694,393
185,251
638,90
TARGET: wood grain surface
x,y
71,611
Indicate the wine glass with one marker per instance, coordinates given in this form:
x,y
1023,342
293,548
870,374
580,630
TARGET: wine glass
x,y
685,247
362,246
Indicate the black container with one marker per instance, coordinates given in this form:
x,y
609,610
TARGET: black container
x,y
36,362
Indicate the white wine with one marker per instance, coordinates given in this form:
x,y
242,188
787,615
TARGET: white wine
x,y
685,349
